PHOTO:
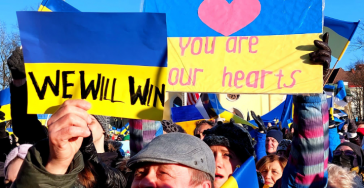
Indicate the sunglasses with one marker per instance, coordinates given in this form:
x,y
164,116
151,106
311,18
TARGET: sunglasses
x,y
346,152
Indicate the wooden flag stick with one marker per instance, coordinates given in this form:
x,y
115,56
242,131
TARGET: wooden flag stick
x,y
327,78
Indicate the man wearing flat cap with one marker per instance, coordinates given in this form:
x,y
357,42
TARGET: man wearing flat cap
x,y
174,160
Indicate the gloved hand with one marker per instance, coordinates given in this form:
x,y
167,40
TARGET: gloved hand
x,y
88,149
322,56
2,115
258,120
16,64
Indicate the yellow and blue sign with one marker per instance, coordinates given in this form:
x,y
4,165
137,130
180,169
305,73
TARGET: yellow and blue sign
x,y
341,33
241,46
5,104
116,61
56,6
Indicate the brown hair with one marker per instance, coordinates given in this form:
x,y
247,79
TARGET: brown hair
x,y
263,162
359,123
199,123
198,177
86,177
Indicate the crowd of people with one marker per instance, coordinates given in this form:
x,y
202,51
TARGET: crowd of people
x,y
75,151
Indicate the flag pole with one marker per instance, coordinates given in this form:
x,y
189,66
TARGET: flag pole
x,y
328,76
342,53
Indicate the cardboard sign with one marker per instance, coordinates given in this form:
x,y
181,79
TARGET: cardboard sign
x,y
116,61
241,46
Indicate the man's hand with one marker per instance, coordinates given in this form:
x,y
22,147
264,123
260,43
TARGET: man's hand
x,y
322,56
66,129
258,120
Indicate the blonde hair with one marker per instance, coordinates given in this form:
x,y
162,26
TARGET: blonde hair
x,y
263,162
341,177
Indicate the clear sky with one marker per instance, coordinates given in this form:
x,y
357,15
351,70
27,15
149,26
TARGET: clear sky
x,y
347,10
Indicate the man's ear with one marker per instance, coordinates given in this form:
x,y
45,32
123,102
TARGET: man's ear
x,y
206,184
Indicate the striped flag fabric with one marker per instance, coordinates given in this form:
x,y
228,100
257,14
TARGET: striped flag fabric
x,y
340,98
341,33
243,176
56,6
5,103
192,98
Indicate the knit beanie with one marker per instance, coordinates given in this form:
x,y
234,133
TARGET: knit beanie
x,y
20,151
232,136
169,126
276,134
352,127
104,122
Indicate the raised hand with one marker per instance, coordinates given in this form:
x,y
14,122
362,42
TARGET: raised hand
x,y
322,56
16,64
66,129
258,120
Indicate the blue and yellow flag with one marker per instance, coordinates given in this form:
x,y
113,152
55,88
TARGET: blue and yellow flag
x,y
243,176
43,118
5,103
215,106
241,46
56,6
341,33
116,61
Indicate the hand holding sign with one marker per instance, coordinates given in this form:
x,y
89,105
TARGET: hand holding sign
x,y
258,120
66,130
16,64
2,115
322,56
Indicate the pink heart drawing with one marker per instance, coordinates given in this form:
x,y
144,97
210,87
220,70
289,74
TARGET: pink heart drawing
x,y
227,18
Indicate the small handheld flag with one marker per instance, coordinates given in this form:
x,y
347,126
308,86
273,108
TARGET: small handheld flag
x,y
244,176
341,33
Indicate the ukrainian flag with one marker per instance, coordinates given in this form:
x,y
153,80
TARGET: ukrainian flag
x,y
5,103
341,33
243,176
208,36
56,6
116,61
43,118
188,116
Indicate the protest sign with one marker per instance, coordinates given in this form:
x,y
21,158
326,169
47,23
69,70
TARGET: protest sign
x,y
116,61
241,46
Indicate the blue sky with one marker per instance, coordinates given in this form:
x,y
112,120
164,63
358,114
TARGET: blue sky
x,y
347,10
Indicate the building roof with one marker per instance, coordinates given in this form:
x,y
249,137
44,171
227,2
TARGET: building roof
x,y
339,74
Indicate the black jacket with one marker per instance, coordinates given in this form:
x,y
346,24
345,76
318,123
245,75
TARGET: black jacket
x,y
26,127
107,165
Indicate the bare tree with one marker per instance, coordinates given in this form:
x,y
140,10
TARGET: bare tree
x,y
8,42
358,43
356,78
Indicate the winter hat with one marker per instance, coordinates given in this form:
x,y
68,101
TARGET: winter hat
x,y
20,151
284,145
276,134
232,136
104,122
169,126
352,127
